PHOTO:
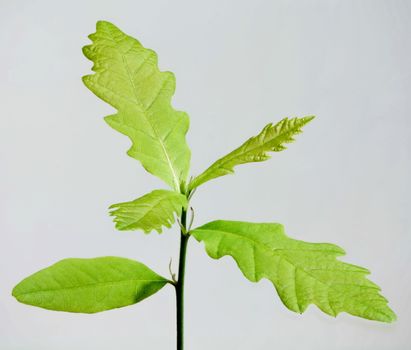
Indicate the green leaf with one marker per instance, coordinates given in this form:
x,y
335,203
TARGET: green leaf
x,y
89,285
302,273
272,138
127,77
149,212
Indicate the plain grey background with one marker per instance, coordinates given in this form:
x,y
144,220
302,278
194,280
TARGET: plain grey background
x,y
239,65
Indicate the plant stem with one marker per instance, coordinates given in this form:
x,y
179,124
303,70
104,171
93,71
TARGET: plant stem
x,y
180,283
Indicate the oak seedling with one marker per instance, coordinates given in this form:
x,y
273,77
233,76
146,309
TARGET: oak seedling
x,y
127,77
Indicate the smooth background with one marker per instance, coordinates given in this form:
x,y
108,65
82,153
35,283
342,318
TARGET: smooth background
x,y
239,65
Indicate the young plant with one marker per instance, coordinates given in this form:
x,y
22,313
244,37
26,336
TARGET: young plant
x,y
127,77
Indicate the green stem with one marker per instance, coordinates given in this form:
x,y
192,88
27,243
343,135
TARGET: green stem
x,y
180,283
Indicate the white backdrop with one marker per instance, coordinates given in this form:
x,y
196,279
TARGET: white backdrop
x,y
239,65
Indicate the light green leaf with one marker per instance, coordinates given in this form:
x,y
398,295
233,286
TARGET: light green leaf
x,y
89,285
302,273
149,212
127,77
272,138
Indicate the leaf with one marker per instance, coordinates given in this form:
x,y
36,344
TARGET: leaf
x,y
89,285
272,138
149,212
302,273
127,77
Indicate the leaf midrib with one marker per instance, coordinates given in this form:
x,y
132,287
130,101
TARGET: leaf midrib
x,y
261,148
272,251
129,76
221,163
148,211
88,285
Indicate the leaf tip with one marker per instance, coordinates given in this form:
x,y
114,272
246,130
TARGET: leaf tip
x,y
393,317
113,206
18,291
309,118
85,80
14,292
103,25
387,315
